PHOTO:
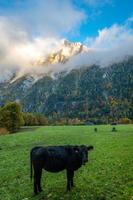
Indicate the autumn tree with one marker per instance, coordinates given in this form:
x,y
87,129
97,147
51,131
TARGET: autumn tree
x,y
11,117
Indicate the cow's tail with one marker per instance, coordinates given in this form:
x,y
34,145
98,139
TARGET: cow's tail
x,y
31,168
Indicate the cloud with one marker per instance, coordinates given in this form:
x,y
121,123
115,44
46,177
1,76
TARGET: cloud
x,y
26,36
112,37
130,19
18,51
97,3
47,18
112,45
32,29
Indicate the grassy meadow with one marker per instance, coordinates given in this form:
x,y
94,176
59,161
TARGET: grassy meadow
x,y
107,176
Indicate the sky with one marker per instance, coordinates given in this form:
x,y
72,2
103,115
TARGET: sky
x,y
31,29
103,13
76,19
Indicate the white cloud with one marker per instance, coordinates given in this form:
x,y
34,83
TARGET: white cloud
x,y
112,37
47,18
28,34
35,33
111,45
18,51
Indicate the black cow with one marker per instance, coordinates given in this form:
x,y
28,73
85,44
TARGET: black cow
x,y
56,159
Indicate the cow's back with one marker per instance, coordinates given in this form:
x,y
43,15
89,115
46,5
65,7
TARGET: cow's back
x,y
56,159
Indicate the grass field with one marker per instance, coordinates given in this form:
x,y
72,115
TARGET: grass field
x,y
108,175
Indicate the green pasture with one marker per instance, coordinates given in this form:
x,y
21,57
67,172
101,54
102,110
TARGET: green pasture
x,y
107,176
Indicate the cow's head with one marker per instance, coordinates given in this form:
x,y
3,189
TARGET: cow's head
x,y
84,152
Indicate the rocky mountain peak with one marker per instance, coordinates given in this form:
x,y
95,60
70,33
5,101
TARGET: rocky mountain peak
x,y
67,50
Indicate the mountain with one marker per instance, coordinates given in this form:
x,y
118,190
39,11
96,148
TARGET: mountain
x,y
66,51
90,93
44,65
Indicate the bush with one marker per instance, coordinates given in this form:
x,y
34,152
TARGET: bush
x,y
11,117
75,121
3,131
31,119
125,121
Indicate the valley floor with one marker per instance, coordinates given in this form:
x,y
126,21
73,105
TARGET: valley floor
x,y
107,176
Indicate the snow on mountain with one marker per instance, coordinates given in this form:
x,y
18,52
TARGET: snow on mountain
x,y
39,68
66,51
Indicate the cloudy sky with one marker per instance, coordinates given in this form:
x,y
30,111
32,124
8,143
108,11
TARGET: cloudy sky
x,y
30,29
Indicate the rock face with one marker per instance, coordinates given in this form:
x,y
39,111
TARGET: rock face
x,y
45,65
66,51
88,92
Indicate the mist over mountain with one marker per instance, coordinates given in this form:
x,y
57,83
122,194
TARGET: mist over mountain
x,y
21,55
64,56
88,93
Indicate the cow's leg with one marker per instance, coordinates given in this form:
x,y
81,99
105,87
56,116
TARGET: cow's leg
x,y
70,175
35,182
37,179
68,181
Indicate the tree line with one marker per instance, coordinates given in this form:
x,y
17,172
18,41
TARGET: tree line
x,y
12,118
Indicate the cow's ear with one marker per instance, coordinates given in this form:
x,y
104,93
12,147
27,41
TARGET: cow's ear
x,y
90,148
76,149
